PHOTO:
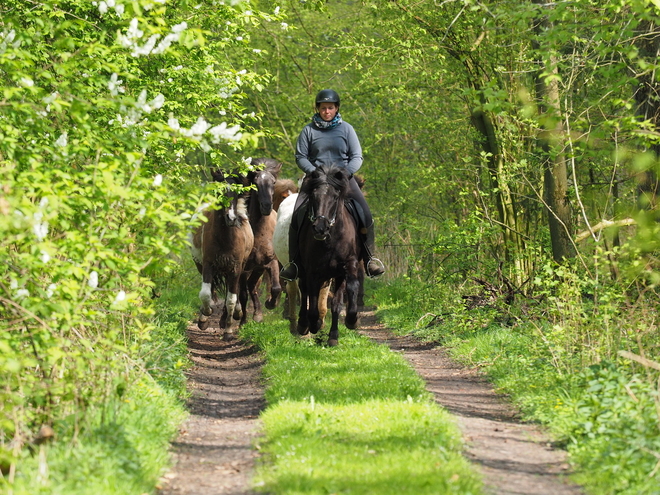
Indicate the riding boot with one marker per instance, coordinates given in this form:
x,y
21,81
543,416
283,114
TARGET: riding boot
x,y
373,267
290,271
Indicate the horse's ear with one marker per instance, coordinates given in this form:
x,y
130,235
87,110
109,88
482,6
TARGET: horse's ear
x,y
217,175
275,168
251,176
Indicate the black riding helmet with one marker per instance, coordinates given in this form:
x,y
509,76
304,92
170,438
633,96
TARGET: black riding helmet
x,y
327,96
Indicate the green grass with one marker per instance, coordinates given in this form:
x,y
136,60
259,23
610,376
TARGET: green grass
x,y
352,419
124,454
607,415
121,447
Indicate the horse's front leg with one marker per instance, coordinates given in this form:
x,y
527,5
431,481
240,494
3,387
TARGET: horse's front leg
x,y
253,291
232,305
352,291
313,316
291,309
206,296
243,294
273,269
324,293
303,322
335,309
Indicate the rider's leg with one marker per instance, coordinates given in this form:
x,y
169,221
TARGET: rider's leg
x,y
290,271
373,266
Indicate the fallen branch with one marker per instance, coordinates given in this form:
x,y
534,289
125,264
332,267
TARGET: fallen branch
x,y
639,359
603,225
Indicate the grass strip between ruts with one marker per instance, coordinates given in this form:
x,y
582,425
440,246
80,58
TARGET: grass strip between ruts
x,y
352,419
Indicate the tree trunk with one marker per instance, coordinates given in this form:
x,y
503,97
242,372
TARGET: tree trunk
x,y
551,138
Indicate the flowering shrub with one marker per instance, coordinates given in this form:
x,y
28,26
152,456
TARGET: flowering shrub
x,y
106,106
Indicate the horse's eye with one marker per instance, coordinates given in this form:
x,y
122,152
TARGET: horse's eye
x,y
339,175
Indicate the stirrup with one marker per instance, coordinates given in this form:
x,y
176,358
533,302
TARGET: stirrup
x,y
378,272
289,272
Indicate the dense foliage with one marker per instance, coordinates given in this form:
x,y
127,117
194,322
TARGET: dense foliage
x,y
111,114
511,160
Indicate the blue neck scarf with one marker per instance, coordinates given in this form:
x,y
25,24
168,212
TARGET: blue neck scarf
x,y
319,123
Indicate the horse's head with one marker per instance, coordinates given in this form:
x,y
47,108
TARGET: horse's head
x,y
264,180
326,188
235,213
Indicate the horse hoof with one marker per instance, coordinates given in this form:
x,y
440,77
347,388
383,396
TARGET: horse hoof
x,y
203,324
351,323
271,304
228,336
333,342
258,318
302,330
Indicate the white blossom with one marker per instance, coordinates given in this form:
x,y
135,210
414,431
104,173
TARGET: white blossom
x,y
284,25
146,48
21,293
133,31
227,133
200,127
166,42
277,10
119,9
40,230
114,85
93,280
45,257
103,7
173,123
27,82
256,50
158,180
157,102
180,27
50,290
63,140
121,295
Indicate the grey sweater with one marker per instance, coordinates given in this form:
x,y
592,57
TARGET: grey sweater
x,y
338,146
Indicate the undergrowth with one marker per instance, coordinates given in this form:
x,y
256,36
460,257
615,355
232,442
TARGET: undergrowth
x,y
562,369
118,445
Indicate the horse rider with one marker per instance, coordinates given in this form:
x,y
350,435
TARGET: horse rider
x,y
328,140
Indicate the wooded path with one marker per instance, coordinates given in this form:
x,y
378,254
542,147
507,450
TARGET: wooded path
x,y
215,451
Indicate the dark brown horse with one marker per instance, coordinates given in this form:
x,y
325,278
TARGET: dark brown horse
x,y
262,220
329,249
220,248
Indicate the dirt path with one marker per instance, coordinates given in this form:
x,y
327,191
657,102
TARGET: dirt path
x,y
214,453
514,457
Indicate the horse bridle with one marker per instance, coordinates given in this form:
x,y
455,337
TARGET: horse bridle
x,y
313,218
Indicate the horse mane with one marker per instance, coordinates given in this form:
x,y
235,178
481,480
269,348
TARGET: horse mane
x,y
270,164
334,176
